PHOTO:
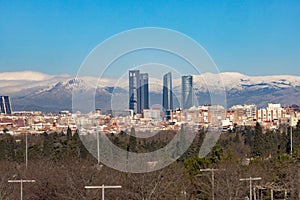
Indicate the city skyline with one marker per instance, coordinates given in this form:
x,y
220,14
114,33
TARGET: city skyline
x,y
139,92
45,88
150,99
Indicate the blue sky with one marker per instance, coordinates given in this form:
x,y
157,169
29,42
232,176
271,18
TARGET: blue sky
x,y
251,37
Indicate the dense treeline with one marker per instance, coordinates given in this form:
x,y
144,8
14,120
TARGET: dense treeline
x,y
51,146
62,166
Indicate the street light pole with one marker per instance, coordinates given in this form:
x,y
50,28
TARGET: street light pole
x,y
21,184
291,139
212,179
99,166
98,146
103,187
26,150
250,180
26,143
95,123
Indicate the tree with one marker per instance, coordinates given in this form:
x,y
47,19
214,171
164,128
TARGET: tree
x,y
7,146
216,154
80,151
194,164
258,142
69,134
47,144
132,141
5,130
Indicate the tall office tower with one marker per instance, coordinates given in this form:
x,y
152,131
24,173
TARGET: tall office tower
x,y
167,92
5,105
144,92
134,91
187,91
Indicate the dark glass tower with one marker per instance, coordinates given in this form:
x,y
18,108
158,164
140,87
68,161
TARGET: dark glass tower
x,y
167,92
134,91
187,91
5,105
138,91
144,92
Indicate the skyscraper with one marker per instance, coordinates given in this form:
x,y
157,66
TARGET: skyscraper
x,y
134,91
144,91
187,91
138,91
5,105
167,92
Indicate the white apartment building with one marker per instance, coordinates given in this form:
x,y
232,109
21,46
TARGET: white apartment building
x,y
272,113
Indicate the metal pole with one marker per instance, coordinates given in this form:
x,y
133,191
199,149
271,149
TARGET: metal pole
x,y
26,150
272,195
26,142
21,184
291,139
250,188
250,180
103,187
21,189
98,146
103,192
212,170
213,184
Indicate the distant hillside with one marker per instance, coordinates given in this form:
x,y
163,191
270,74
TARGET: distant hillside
x,y
36,91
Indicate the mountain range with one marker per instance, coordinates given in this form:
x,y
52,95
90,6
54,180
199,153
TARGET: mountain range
x,y
31,90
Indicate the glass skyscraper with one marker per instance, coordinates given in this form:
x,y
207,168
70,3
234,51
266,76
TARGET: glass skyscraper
x,y
167,92
5,105
187,92
138,91
144,92
134,91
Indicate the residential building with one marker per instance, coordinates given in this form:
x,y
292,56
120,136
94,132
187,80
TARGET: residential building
x,y
153,113
273,112
244,115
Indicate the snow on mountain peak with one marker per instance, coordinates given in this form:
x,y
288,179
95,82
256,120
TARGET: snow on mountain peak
x,y
13,82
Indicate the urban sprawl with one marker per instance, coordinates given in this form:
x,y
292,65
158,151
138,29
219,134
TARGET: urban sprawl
x,y
141,116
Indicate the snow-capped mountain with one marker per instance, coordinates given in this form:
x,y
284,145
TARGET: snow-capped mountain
x,y
37,91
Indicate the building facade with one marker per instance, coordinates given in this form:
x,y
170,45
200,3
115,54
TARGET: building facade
x,y
134,91
5,105
273,112
244,115
138,91
153,113
187,96
144,92
167,94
